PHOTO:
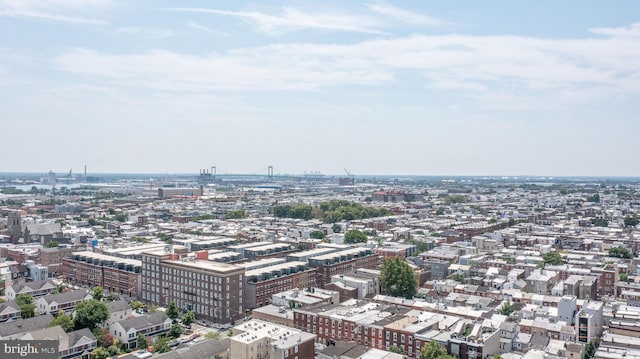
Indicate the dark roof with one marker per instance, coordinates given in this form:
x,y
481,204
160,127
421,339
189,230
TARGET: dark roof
x,y
11,304
36,285
75,336
355,352
539,342
66,297
143,321
117,306
25,325
336,350
204,349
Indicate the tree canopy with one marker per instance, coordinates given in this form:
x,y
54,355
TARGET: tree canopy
x,y
507,308
100,353
594,198
552,258
26,304
355,236
433,350
317,235
97,293
237,214
398,279
600,222
620,252
141,341
90,313
63,320
631,220
172,311
161,345
300,211
188,318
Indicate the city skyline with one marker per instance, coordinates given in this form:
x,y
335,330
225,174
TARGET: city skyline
x,y
386,88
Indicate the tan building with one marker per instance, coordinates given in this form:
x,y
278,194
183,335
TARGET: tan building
x,y
260,340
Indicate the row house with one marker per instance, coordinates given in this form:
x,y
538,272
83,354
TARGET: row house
x,y
67,301
9,311
342,262
35,289
152,325
263,283
75,344
114,274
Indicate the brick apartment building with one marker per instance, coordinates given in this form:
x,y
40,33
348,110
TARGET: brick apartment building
x,y
214,291
263,283
114,274
52,258
342,262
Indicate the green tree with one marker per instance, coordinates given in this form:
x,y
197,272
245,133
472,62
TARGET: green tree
x,y
141,341
511,223
433,350
90,313
188,318
458,277
507,308
113,350
552,258
398,279
111,297
63,320
92,222
317,235
100,353
112,211
97,293
237,214
175,331
624,277
161,345
595,198
600,222
355,236
589,350
230,332
213,335
153,308
172,311
396,349
620,252
121,217
26,304
631,220
52,244
336,228
440,211
136,304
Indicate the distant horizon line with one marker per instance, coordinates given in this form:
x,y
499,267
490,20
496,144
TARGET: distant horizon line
x,y
311,174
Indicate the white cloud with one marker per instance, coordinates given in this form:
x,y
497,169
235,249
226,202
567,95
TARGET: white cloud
x,y
632,30
147,33
290,19
405,16
509,68
71,11
197,26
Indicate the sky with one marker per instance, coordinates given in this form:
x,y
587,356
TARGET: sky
x,y
543,87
